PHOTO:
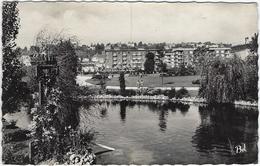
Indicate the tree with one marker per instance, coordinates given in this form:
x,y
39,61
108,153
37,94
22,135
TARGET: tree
x,y
67,64
223,80
182,70
149,63
200,56
61,48
252,70
140,44
99,48
57,116
161,66
122,83
254,43
251,78
14,90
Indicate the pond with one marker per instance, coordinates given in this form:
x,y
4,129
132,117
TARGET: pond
x,y
166,132
170,133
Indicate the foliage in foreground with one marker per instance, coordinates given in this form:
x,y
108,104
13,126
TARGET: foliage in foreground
x,y
54,126
14,90
55,129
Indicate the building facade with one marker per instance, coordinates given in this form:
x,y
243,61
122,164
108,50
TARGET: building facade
x,y
177,56
221,51
126,59
117,59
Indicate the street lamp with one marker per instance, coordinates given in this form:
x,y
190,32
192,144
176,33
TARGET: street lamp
x,y
140,84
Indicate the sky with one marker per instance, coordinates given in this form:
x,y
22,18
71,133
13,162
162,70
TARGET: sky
x,y
102,22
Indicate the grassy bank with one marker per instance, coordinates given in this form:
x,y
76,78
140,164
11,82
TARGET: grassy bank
x,y
151,80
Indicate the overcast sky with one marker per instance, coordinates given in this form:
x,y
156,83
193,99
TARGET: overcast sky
x,y
147,22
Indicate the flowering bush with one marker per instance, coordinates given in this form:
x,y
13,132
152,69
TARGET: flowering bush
x,y
54,139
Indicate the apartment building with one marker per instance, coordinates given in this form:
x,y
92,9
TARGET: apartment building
x,y
221,51
118,59
126,59
177,56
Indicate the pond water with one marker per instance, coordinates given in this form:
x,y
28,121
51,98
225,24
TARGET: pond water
x,y
168,133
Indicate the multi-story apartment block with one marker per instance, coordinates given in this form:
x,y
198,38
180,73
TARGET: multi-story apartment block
x,y
116,58
122,59
221,51
177,56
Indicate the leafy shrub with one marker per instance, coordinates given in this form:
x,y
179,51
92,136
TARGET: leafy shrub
x,y
113,92
154,92
130,92
196,81
171,93
182,93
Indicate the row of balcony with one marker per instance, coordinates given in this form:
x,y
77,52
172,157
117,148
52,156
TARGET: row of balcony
x,y
139,58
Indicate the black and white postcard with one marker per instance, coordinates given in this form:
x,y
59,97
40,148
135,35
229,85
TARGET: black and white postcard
x,y
129,82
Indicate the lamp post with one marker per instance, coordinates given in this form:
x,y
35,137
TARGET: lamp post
x,y
140,84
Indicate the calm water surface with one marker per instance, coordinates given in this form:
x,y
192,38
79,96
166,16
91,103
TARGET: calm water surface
x,y
167,133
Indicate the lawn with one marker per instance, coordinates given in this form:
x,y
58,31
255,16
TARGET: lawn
x,y
152,80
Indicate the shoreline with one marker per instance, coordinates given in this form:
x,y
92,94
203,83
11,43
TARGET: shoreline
x,y
162,98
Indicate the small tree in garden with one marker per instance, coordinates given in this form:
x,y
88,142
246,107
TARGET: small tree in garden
x,y
149,63
122,83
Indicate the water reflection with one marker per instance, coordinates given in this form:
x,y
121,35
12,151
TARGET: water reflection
x,y
123,111
163,120
103,113
162,109
224,127
160,133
